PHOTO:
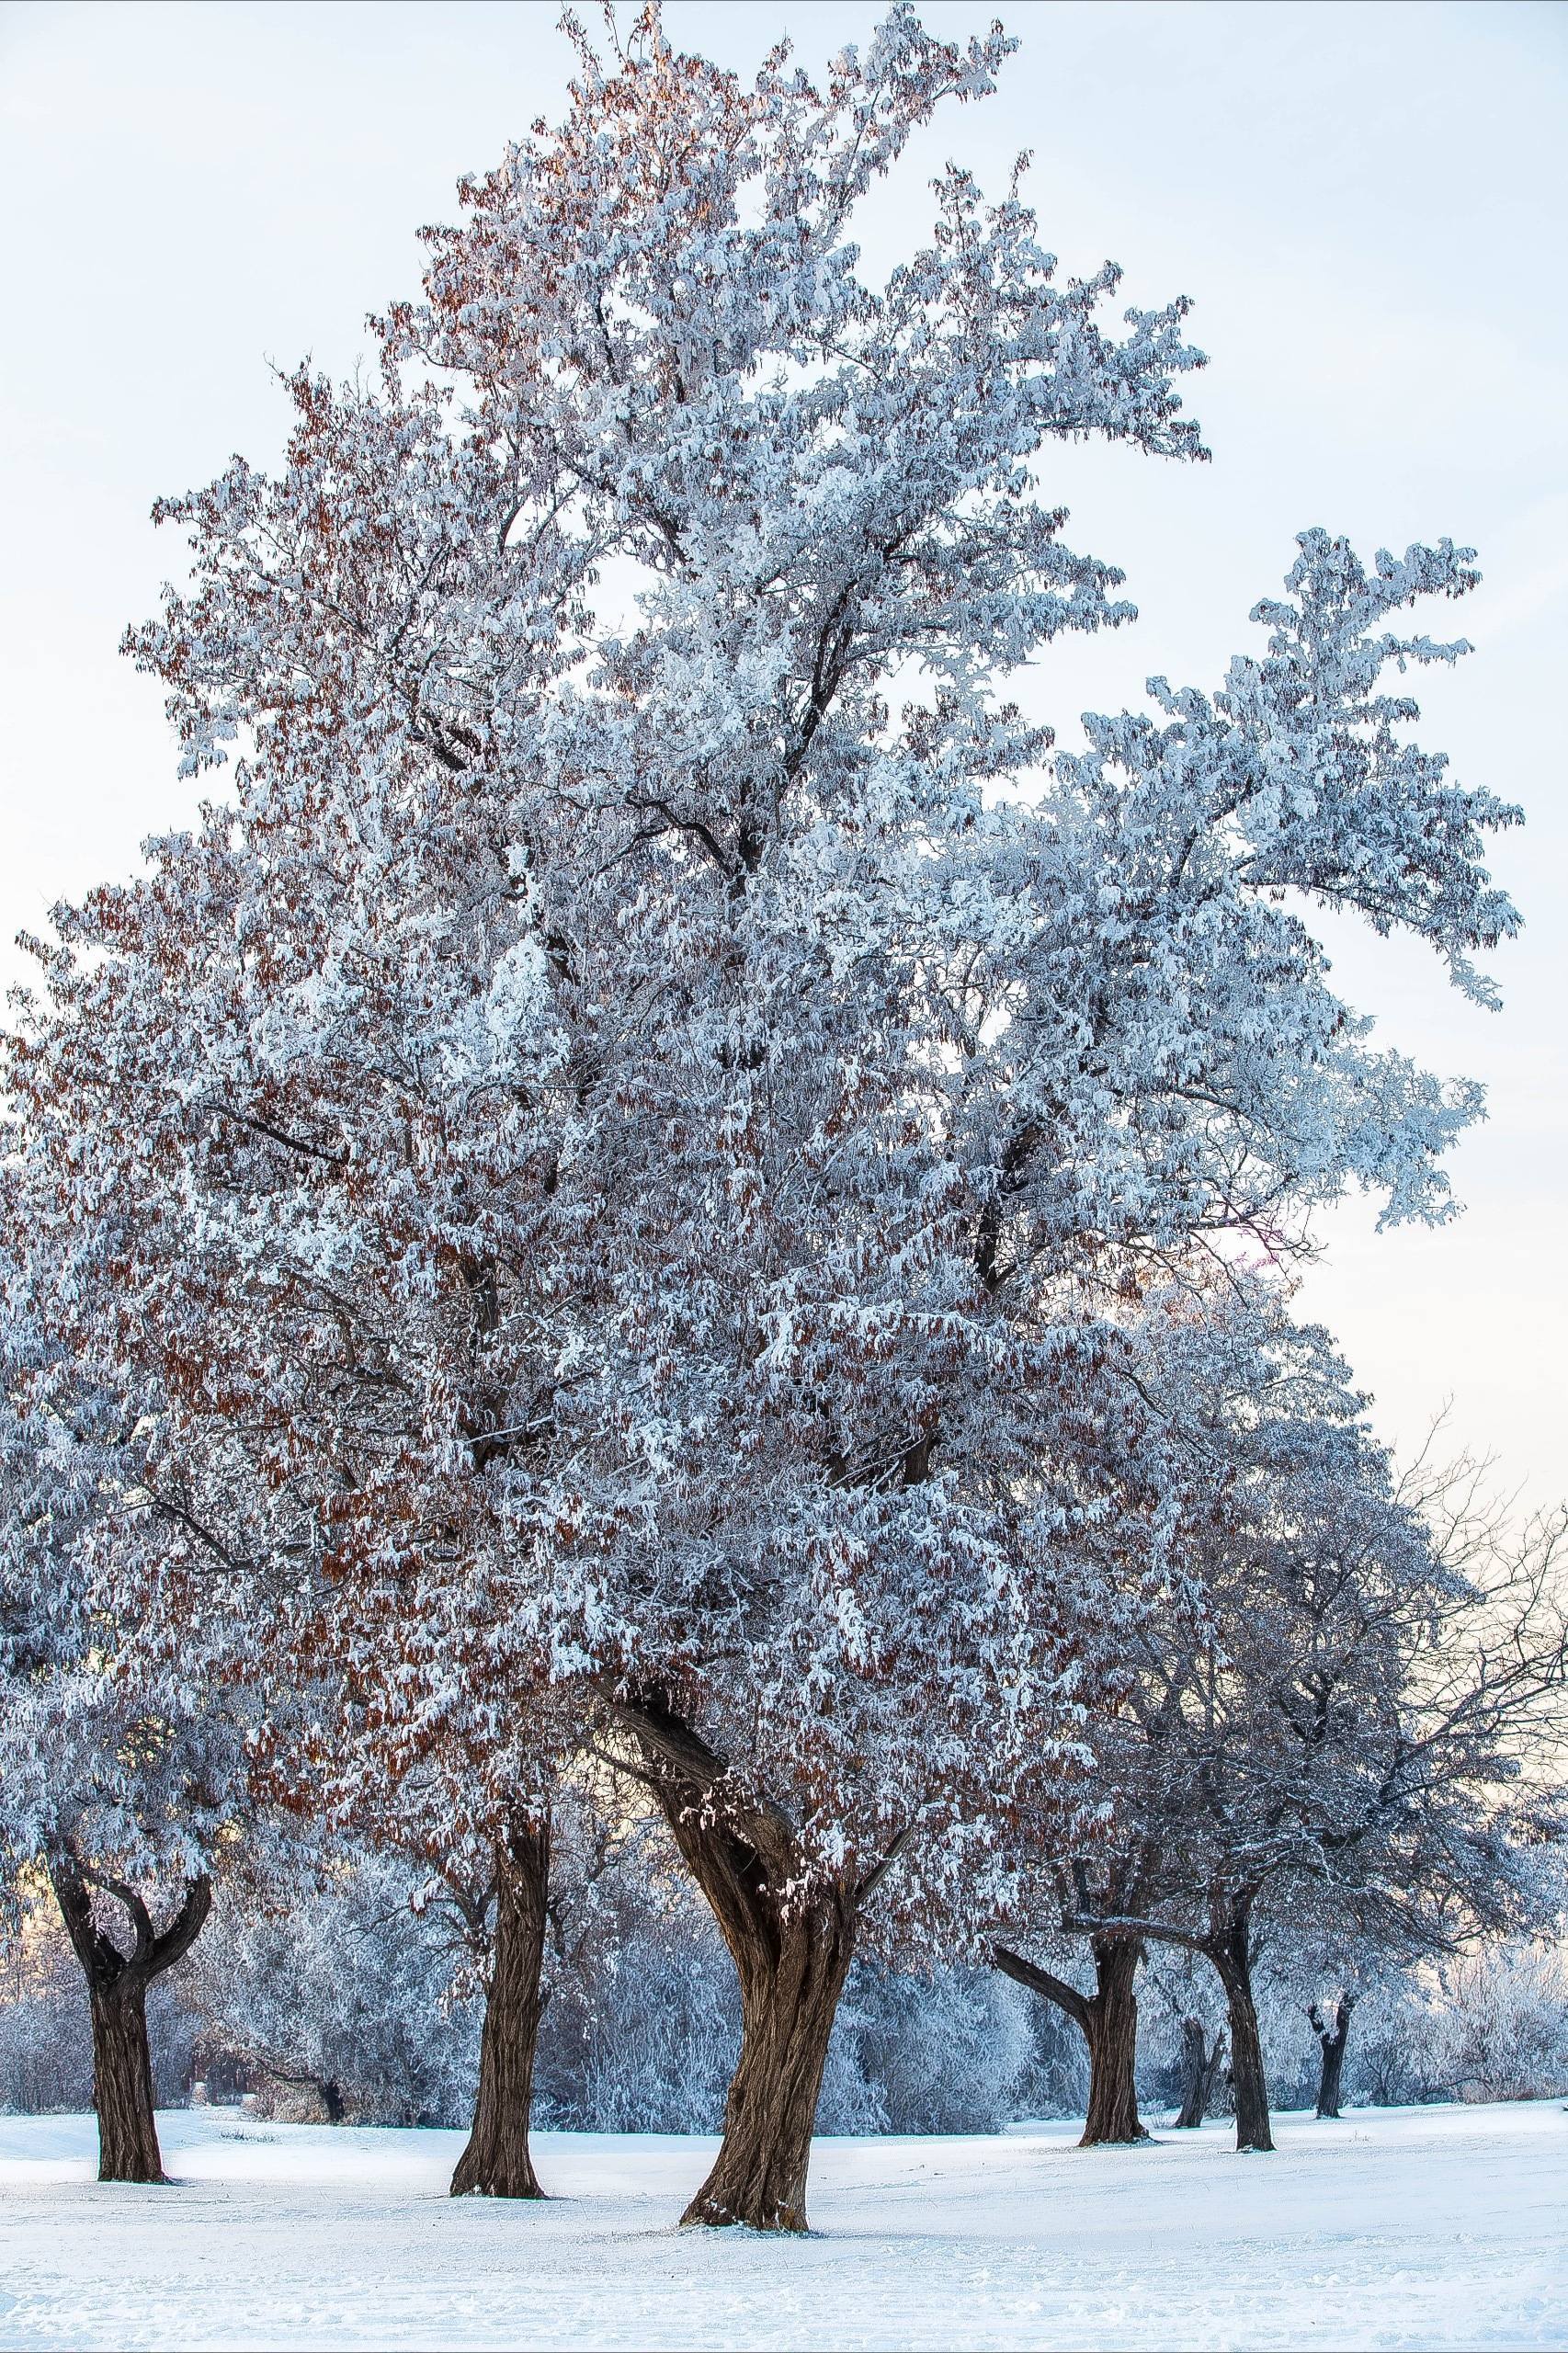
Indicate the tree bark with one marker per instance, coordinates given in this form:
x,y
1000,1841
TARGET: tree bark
x,y
1108,2019
791,1964
1199,2067
791,1942
1113,2045
122,2085
496,2162
1229,1949
1331,2040
117,2002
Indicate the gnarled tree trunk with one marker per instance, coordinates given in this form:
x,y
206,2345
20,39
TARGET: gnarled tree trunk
x,y
1229,1949
1199,2067
791,1964
791,1943
117,2002
1108,2019
496,2162
1332,2039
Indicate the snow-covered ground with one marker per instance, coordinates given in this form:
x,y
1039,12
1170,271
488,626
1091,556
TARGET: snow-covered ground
x,y
1433,2226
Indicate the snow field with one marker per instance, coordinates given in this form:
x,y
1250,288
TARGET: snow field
x,y
1421,2227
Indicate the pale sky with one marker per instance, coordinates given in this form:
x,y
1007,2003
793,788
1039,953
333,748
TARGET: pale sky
x,y
1367,204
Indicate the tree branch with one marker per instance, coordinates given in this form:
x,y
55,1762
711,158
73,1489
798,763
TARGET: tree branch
x,y
1042,1981
879,1871
209,1103
1127,1925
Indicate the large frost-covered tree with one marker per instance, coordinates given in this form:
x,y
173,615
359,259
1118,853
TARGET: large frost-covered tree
x,y
642,1114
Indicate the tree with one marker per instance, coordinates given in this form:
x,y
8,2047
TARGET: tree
x,y
1333,2039
639,1152
497,2160
475,1814
1108,2019
1200,2066
118,1779
1334,1713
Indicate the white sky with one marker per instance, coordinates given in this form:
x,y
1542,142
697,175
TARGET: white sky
x,y
1369,204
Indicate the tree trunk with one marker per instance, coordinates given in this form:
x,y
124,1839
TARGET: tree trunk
x,y
496,2162
1108,2019
1113,2045
1231,1954
1199,2067
791,1965
1333,2071
1333,2040
792,1941
117,2002
122,2083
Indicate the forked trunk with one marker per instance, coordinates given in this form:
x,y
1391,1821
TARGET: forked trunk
x,y
496,2162
122,2085
1333,2071
1332,2039
116,2001
1231,1957
1113,2045
1108,2018
1199,2067
791,1942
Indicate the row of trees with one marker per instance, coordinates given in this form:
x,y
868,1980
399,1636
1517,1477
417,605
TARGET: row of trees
x,y
1346,1741
630,1201
337,2001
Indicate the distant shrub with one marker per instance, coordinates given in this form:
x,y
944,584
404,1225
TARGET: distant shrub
x,y
947,2053
336,2002
1504,2024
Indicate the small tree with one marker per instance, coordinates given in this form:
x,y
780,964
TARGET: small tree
x,y
1201,2062
468,1808
1336,1712
1332,2038
498,1891
118,1777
